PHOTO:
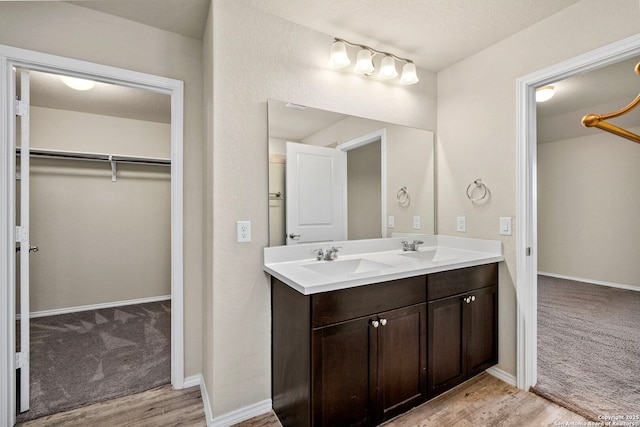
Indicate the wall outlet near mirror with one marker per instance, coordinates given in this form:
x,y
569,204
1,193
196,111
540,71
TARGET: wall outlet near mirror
x,y
416,222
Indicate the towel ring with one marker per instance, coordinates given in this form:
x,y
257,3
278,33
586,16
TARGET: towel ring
x,y
404,199
478,185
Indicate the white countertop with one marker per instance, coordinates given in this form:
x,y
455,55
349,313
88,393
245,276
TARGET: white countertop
x,y
362,262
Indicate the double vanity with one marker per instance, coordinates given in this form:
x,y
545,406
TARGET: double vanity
x,y
372,330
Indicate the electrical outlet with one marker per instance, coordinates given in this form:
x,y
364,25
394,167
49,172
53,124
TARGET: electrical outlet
x,y
416,222
392,222
243,231
461,224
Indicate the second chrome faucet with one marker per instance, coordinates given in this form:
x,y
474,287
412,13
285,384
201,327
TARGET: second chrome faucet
x,y
326,254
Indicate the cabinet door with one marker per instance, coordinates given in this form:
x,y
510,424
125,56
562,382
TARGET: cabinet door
x,y
482,330
402,360
342,372
445,347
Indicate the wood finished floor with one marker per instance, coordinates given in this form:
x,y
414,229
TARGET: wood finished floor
x,y
481,401
159,407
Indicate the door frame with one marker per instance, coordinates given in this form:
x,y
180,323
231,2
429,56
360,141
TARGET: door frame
x,y
14,57
526,210
380,134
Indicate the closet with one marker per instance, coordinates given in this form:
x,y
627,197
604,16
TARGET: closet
x,y
99,215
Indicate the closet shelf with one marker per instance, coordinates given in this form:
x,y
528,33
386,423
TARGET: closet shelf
x,y
97,157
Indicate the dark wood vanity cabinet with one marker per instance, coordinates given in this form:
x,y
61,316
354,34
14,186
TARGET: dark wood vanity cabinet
x,y
360,356
364,349
462,325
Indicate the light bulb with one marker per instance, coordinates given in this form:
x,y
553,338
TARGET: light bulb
x,y
388,68
545,93
409,75
364,64
339,57
77,84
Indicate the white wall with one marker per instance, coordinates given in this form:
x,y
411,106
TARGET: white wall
x,y
257,57
477,127
100,241
63,29
588,208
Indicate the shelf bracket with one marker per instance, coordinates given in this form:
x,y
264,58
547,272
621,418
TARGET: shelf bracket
x,y
114,171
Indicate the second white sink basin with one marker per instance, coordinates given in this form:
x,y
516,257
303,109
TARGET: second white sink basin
x,y
347,266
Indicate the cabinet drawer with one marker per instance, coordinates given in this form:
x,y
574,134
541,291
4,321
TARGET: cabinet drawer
x,y
345,304
448,283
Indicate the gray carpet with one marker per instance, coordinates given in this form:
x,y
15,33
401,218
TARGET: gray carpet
x,y
589,347
91,356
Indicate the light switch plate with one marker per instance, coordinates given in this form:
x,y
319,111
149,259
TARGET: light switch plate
x,y
505,225
391,221
461,224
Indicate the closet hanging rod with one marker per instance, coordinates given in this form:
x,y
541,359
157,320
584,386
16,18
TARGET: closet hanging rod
x,y
96,157
599,121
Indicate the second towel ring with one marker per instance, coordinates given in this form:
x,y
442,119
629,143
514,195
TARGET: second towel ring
x,y
403,197
481,186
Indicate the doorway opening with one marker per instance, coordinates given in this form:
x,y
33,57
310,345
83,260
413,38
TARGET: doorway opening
x,y
527,199
11,59
96,171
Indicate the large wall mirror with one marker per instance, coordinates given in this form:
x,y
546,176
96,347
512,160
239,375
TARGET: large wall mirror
x,y
336,177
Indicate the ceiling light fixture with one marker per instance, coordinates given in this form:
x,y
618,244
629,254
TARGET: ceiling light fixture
x,y
77,84
364,62
545,93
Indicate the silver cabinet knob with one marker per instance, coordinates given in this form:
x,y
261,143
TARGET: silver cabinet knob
x,y
383,322
374,323
473,298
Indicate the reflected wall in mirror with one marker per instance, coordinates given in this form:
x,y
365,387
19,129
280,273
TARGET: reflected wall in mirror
x,y
338,177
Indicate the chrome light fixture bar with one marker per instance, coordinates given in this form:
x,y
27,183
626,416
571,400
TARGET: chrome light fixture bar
x,y
364,62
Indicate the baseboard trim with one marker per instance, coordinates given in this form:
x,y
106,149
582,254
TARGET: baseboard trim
x,y
591,281
79,308
502,375
242,414
192,381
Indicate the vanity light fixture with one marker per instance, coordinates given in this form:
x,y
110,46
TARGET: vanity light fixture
x,y
77,84
364,62
545,93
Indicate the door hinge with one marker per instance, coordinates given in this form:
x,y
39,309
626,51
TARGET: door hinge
x,y
528,251
22,108
22,359
22,234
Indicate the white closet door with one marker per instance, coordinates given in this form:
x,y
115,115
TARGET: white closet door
x,y
22,237
316,194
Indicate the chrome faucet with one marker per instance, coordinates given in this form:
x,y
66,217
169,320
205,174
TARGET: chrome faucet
x,y
326,255
332,253
413,246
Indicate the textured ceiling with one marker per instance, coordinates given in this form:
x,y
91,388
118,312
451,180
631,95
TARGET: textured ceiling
x,y
185,17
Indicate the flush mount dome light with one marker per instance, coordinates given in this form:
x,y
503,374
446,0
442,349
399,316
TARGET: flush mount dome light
x,y
77,84
544,93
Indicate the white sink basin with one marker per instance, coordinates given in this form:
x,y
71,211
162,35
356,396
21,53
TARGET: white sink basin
x,y
430,255
347,266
